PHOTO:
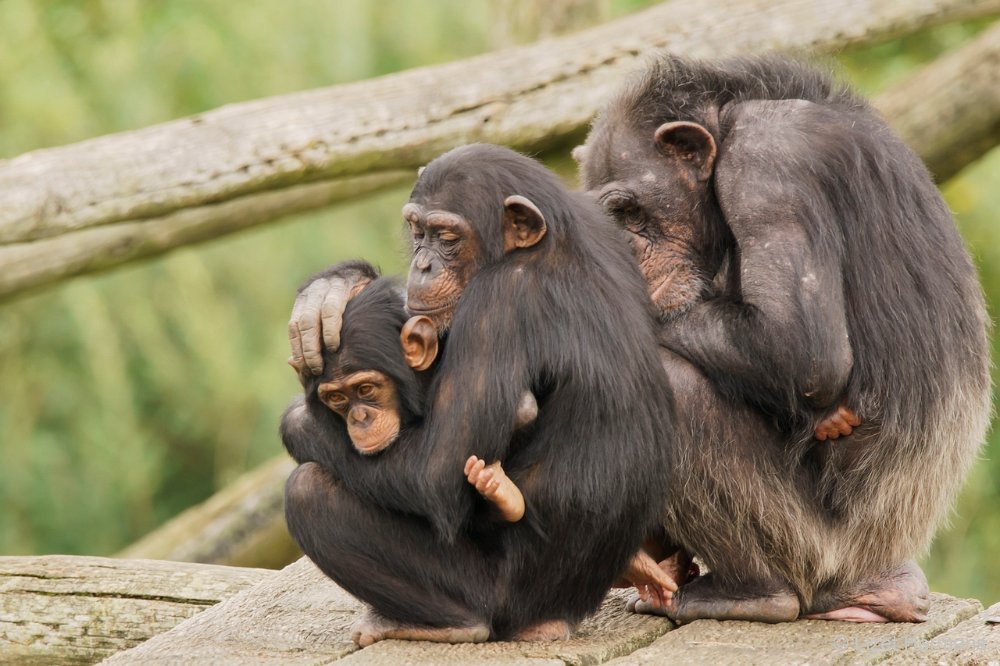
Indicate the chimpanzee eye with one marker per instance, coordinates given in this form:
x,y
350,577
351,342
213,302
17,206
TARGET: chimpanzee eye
x,y
366,391
618,203
336,401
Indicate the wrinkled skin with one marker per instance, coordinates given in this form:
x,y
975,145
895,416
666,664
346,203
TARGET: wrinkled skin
x,y
368,403
445,254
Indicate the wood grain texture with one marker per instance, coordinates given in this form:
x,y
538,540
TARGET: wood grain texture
x,y
63,609
949,111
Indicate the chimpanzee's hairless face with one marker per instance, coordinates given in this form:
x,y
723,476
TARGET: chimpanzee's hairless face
x,y
655,181
369,400
448,249
369,405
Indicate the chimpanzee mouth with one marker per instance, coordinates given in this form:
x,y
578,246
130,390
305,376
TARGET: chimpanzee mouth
x,y
426,311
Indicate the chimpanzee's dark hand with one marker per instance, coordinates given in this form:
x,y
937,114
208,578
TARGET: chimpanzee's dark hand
x,y
318,312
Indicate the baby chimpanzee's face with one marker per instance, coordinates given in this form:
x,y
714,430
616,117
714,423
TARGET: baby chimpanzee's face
x,y
368,402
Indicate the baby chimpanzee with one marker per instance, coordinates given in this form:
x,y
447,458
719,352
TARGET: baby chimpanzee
x,y
372,395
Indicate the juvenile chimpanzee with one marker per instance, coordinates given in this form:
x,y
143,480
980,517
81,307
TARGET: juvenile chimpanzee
x,y
803,264
539,294
371,396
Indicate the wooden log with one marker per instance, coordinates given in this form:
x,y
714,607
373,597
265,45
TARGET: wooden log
x,y
242,525
949,111
300,617
78,610
527,97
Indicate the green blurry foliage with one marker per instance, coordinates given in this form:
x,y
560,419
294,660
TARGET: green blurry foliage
x,y
126,397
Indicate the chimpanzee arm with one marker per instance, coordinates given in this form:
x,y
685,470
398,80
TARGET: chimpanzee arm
x,y
782,344
319,309
386,480
480,382
307,440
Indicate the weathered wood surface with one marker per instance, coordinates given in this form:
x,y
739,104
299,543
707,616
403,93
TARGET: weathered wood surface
x,y
70,610
975,641
804,642
226,169
300,617
950,110
242,525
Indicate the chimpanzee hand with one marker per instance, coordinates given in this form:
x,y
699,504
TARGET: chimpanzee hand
x,y
496,487
839,424
318,311
651,581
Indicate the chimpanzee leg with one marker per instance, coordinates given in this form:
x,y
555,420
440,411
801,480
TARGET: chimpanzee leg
x,y
420,588
900,595
707,597
732,503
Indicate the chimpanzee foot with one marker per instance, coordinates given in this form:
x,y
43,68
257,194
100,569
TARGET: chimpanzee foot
x,y
551,630
703,599
900,595
371,628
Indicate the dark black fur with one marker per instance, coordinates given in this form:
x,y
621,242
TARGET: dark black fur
x,y
832,270
311,432
568,319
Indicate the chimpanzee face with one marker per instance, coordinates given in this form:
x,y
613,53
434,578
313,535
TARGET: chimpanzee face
x,y
448,250
369,404
657,188
446,253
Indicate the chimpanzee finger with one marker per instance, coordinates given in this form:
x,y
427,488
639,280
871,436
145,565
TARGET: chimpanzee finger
x,y
469,463
332,311
476,471
850,416
306,319
485,479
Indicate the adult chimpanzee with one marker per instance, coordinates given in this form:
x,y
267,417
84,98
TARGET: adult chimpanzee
x,y
802,262
539,294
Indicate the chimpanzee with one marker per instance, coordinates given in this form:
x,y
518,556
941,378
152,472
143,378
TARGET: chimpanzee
x,y
378,399
538,292
803,264
371,395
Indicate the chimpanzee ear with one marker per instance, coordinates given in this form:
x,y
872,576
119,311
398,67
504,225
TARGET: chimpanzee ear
x,y
689,142
580,155
523,223
419,338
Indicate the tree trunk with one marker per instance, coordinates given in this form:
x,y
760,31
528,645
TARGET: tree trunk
x,y
78,610
242,525
950,110
137,194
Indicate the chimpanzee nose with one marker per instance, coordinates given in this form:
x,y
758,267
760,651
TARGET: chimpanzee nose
x,y
422,261
358,415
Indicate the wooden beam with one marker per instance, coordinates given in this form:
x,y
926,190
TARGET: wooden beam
x,y
949,111
527,97
63,609
242,525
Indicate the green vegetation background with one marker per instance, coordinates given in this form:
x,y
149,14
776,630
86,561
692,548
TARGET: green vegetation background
x,y
126,397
